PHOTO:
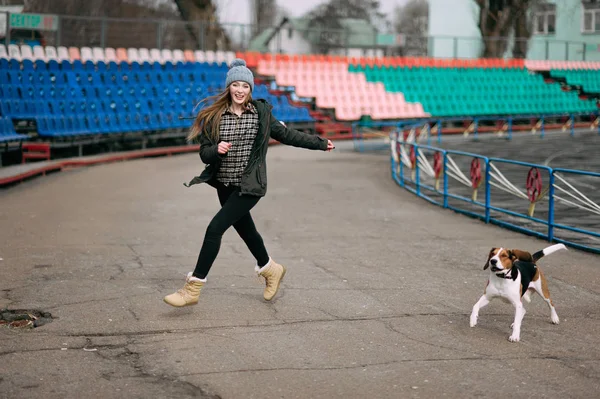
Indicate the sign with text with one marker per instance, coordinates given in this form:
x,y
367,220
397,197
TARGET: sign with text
x,y
34,21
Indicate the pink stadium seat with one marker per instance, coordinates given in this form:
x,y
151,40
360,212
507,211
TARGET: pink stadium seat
x,y
74,53
266,68
122,55
188,55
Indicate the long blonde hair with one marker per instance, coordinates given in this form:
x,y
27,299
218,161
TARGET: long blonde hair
x,y
208,120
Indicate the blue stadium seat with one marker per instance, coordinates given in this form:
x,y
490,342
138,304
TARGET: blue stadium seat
x,y
74,98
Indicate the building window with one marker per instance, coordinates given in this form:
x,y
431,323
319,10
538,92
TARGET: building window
x,y
545,22
591,19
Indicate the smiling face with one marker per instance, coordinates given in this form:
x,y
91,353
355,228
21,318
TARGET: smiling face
x,y
239,92
500,259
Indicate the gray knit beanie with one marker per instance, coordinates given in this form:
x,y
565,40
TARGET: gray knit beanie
x,y
239,72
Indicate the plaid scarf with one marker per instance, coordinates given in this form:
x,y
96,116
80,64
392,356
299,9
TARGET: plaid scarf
x,y
241,131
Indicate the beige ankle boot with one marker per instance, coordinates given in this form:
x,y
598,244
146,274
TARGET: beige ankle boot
x,y
188,295
273,274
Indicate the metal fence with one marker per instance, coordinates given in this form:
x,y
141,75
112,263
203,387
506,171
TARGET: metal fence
x,y
205,35
556,204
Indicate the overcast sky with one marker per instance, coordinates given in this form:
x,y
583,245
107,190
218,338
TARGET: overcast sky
x,y
237,11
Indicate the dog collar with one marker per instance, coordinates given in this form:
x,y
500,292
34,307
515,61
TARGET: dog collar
x,y
510,275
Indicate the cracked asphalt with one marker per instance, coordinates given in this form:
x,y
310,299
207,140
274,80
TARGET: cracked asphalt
x,y
376,301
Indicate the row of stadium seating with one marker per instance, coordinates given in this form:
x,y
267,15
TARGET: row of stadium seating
x,y
66,88
467,91
349,94
69,101
547,65
98,54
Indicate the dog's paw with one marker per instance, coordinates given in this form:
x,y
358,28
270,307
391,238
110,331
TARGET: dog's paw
x,y
514,338
555,319
527,296
473,322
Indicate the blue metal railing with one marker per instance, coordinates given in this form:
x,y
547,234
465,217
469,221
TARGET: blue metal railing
x,y
509,121
502,201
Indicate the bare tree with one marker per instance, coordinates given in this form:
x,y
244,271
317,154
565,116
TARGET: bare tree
x,y
204,11
411,21
498,19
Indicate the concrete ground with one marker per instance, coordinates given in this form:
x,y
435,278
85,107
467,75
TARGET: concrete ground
x,y
376,301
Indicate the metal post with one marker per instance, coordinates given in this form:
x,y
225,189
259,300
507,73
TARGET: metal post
x,y
551,207
418,185
583,52
455,40
428,134
475,132
445,180
7,36
59,31
401,165
547,50
159,34
439,134
510,127
543,130
103,33
487,191
572,125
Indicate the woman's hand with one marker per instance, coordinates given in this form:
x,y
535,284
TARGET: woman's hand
x,y
223,147
330,145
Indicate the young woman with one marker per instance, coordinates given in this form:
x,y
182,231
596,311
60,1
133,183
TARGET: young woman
x,y
234,133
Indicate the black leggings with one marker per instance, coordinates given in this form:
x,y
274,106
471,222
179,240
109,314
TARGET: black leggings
x,y
235,211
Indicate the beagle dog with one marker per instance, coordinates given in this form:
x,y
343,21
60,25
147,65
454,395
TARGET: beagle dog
x,y
514,274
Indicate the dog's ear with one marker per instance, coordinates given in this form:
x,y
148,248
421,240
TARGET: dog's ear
x,y
511,255
518,254
487,263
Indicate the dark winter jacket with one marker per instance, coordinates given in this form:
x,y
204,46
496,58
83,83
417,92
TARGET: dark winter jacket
x,y
254,177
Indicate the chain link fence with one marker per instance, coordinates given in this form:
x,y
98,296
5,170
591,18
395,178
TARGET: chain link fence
x,y
204,35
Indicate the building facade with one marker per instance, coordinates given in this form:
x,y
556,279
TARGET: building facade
x,y
562,30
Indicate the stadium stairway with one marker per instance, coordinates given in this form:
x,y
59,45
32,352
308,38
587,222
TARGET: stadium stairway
x,y
577,76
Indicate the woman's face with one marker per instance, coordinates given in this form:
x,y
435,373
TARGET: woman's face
x,y
239,92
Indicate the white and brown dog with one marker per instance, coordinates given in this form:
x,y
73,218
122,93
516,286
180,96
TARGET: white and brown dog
x,y
514,274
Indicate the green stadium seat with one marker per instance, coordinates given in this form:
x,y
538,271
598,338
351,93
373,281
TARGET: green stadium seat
x,y
455,91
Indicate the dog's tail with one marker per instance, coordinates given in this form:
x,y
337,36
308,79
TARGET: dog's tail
x,y
547,251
